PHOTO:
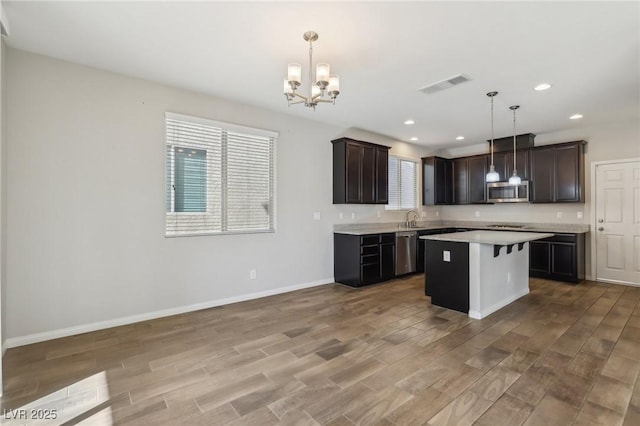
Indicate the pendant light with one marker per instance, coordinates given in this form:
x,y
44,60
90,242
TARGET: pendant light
x,y
514,179
492,176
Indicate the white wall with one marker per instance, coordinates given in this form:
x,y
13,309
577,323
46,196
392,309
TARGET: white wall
x,y
4,24
85,244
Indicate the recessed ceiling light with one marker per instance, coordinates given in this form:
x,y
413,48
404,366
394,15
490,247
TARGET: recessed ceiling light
x,y
459,138
409,122
542,86
575,117
413,139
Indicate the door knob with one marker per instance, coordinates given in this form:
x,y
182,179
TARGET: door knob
x,y
601,229
600,220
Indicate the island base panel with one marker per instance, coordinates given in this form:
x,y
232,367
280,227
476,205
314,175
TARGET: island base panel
x,y
447,275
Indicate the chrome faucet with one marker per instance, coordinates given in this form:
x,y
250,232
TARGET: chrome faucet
x,y
412,223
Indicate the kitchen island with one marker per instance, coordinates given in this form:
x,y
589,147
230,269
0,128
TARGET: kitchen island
x,y
478,272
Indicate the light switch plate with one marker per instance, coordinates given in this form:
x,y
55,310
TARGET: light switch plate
x,y
446,255
316,215
579,214
559,215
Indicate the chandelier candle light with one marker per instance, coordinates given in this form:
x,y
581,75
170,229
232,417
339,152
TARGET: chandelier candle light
x,y
492,176
325,83
514,179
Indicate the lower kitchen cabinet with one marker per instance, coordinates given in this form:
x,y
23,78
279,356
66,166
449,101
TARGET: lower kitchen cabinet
x,y
559,258
359,260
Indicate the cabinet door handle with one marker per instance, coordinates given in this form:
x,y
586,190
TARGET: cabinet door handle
x,y
601,229
600,220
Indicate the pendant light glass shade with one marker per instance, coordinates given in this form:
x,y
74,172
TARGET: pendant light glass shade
x,y
514,179
492,176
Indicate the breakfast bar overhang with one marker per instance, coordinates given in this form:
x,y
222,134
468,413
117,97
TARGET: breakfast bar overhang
x,y
477,272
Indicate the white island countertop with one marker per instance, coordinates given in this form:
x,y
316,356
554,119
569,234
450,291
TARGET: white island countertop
x,y
502,238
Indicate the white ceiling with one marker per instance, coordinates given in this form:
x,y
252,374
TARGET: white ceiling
x,y
383,51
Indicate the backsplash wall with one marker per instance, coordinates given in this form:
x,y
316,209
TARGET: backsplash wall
x,y
518,212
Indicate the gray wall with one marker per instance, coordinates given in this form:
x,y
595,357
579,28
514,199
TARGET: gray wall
x,y
84,200
85,196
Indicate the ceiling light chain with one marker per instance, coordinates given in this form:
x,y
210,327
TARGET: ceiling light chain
x,y
492,176
325,84
514,179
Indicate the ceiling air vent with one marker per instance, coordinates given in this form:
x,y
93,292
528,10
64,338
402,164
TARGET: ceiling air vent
x,y
445,84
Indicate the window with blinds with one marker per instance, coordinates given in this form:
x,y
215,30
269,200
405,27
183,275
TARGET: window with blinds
x,y
219,177
403,184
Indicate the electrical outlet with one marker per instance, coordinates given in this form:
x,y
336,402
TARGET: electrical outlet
x,y
353,215
252,274
579,214
508,277
437,214
378,214
559,215
446,255
316,215
477,213
423,214
341,216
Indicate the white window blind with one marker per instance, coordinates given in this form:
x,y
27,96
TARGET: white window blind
x,y
403,184
219,177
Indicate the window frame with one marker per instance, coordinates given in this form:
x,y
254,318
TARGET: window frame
x,y
417,163
226,127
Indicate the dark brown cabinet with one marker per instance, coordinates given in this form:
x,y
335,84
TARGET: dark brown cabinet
x,y
363,259
360,172
469,175
437,181
478,168
557,173
503,162
542,180
461,180
559,258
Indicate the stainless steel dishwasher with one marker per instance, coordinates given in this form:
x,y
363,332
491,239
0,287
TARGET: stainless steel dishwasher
x,y
405,252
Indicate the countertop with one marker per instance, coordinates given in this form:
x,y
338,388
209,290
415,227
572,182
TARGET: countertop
x,y
378,228
502,238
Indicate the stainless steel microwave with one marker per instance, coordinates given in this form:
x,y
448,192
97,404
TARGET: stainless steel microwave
x,y
504,192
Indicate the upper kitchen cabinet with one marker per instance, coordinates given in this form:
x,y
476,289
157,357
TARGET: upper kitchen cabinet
x,y
557,173
503,162
469,175
437,181
503,155
360,172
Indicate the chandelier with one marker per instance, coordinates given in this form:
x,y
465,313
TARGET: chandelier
x,y
325,85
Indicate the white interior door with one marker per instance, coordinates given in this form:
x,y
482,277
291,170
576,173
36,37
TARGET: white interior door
x,y
617,232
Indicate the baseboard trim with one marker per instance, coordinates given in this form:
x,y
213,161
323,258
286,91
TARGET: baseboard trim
x,y
498,305
13,342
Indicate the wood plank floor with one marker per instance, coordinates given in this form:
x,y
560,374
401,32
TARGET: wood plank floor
x,y
339,356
